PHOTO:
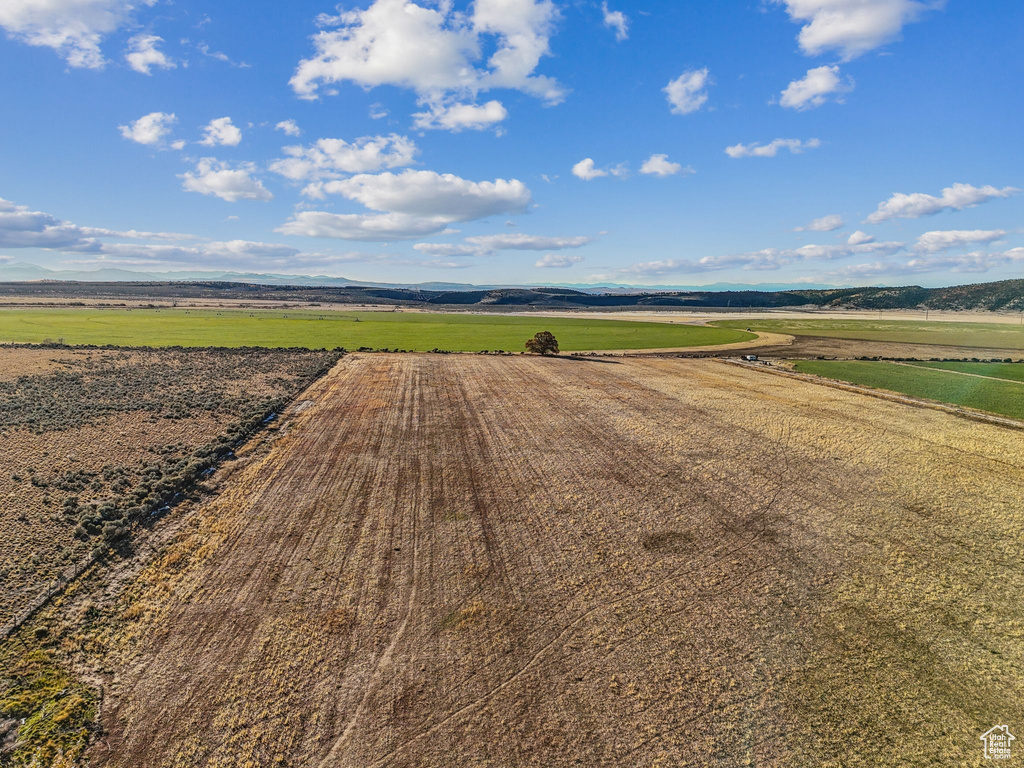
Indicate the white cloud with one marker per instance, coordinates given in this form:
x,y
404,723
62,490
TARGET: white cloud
x,y
142,54
815,88
828,223
413,204
585,170
221,131
522,29
439,264
290,127
830,252
372,228
942,240
450,249
430,194
212,177
327,158
229,251
766,259
860,238
212,54
515,241
133,234
393,42
73,28
795,146
458,117
660,165
975,262
247,251
21,227
954,198
852,27
149,129
486,245
231,254
557,260
686,93
616,20
24,228
435,52
205,49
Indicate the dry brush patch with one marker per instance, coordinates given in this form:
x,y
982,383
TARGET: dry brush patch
x,y
94,442
542,562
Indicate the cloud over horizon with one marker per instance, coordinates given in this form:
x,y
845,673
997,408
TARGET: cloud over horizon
x,y
954,198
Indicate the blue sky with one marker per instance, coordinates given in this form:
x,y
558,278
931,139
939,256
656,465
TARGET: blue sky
x,y
517,141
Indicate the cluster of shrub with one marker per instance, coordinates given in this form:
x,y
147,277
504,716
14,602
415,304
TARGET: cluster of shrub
x,y
161,484
167,482
172,383
167,385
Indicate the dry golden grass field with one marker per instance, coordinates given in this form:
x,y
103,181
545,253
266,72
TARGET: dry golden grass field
x,y
473,561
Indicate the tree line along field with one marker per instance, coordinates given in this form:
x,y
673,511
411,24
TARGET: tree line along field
x,y
953,334
992,387
94,442
414,331
469,560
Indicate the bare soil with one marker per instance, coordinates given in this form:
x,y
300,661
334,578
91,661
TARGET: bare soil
x,y
475,561
763,339
813,346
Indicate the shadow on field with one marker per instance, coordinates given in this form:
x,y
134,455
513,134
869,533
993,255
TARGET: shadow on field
x,y
575,359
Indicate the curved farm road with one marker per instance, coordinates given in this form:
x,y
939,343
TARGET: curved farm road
x,y
455,562
764,339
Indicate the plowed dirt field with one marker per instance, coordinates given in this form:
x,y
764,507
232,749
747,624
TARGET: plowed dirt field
x,y
454,561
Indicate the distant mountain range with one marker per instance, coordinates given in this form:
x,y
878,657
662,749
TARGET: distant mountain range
x,y
22,272
1006,295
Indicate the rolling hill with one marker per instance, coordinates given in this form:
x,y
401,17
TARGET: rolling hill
x,y
1006,295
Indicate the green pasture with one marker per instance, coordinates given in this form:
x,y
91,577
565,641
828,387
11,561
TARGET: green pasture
x,y
931,382
987,335
1011,371
414,331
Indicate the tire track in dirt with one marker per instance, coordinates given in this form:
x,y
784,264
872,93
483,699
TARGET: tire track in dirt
x,y
463,561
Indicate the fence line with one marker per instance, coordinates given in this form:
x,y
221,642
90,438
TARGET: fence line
x,y
58,585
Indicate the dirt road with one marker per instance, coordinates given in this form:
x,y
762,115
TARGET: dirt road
x,y
762,339
458,561
813,346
